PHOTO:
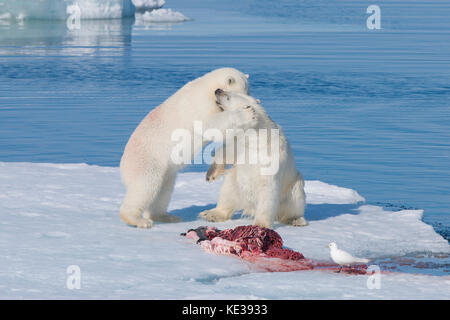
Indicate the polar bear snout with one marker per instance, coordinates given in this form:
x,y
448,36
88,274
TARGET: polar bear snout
x,y
233,101
219,94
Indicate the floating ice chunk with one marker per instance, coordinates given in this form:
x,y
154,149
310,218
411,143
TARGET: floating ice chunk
x,y
162,16
148,4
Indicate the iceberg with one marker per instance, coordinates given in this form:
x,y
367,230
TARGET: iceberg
x,y
62,9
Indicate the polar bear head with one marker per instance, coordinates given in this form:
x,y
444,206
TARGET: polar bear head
x,y
230,101
230,79
202,90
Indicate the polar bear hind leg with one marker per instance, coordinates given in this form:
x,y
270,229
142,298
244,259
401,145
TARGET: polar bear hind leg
x,y
267,203
135,202
292,207
146,201
157,210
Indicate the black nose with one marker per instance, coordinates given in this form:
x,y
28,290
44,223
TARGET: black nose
x,y
218,91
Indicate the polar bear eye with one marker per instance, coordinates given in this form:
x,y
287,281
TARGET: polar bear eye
x,y
230,80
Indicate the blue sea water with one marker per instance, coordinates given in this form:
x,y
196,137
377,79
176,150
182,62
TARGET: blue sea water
x,y
364,109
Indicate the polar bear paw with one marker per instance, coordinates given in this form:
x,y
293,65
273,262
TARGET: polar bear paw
x,y
262,222
245,117
250,115
215,171
144,223
213,215
138,222
299,222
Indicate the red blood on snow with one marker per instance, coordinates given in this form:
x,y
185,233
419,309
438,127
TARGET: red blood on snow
x,y
263,247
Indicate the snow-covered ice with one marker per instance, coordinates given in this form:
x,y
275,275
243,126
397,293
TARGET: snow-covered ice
x,y
321,192
57,215
148,4
60,9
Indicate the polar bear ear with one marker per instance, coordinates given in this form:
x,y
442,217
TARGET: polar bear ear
x,y
258,101
247,75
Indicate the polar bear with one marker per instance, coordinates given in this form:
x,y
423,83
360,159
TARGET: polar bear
x,y
267,197
146,166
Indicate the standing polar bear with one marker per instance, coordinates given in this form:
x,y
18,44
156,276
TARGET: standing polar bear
x,y
267,196
146,167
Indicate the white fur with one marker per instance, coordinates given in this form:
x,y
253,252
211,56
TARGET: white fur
x,y
146,167
265,197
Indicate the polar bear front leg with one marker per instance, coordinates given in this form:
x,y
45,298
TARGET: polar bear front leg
x,y
218,166
228,200
215,171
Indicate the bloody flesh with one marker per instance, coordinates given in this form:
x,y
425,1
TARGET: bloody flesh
x,y
262,247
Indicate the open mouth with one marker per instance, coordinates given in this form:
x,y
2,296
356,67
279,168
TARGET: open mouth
x,y
219,105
